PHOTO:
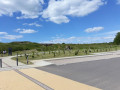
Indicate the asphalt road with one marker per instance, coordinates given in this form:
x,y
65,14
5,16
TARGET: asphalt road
x,y
103,74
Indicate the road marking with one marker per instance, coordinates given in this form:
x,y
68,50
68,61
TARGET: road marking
x,y
56,82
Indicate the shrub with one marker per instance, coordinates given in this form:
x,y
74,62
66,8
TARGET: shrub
x,y
77,52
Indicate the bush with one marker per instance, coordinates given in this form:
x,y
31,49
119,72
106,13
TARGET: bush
x,y
77,52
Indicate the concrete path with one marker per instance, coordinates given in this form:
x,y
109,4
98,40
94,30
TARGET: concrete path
x,y
76,59
10,62
96,56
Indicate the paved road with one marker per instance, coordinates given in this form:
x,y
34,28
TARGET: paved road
x,y
35,79
103,74
97,71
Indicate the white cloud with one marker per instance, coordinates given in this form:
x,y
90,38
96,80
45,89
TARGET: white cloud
x,y
59,19
25,31
111,33
98,38
61,40
28,8
12,37
94,29
118,1
59,10
82,40
3,33
33,24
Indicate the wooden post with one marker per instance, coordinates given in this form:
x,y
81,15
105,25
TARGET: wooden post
x,y
17,59
27,59
1,63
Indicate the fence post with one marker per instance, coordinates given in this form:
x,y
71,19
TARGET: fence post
x,y
27,59
17,59
1,63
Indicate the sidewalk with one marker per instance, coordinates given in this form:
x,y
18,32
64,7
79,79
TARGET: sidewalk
x,y
75,59
10,62
34,79
84,59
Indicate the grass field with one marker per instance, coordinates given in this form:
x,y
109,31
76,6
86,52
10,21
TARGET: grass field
x,y
38,55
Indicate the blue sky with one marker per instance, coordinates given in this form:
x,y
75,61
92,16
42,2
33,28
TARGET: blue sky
x,y
59,21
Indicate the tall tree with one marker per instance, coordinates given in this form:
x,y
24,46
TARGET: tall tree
x,y
117,39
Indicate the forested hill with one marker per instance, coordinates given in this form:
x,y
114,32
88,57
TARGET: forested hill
x,y
19,46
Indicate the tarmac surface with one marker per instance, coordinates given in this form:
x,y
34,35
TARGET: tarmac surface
x,y
103,74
